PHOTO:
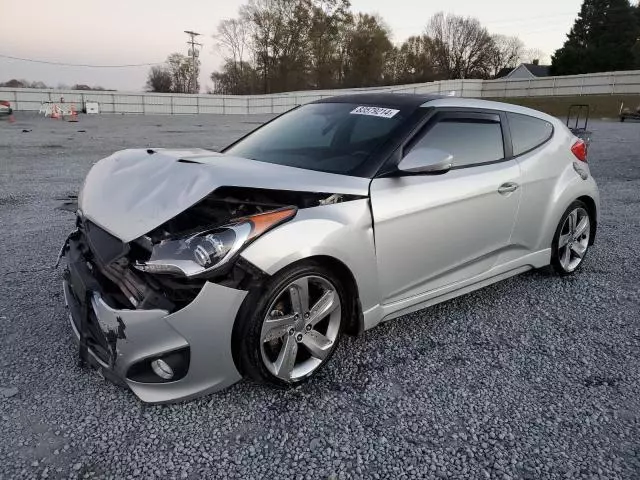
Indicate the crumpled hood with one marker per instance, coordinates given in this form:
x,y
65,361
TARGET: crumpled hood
x,y
132,191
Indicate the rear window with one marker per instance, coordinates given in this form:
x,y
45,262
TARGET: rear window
x,y
328,137
528,132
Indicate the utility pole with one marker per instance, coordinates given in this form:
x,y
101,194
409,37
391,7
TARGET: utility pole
x,y
193,53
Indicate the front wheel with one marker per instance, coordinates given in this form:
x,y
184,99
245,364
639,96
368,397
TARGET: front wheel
x,y
295,326
571,240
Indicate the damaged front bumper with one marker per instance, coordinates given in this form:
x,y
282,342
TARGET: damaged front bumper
x,y
123,343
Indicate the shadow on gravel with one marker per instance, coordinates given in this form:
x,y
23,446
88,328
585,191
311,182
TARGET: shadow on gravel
x,y
599,381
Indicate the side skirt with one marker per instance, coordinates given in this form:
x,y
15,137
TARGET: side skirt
x,y
383,313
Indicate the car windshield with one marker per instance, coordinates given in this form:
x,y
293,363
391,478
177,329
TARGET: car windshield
x,y
328,137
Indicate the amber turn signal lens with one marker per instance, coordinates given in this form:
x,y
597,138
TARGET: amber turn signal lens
x,y
264,221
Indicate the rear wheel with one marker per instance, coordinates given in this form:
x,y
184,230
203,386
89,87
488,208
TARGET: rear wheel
x,y
295,327
571,240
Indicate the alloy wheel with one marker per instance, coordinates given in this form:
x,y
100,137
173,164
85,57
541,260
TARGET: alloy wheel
x,y
301,328
574,239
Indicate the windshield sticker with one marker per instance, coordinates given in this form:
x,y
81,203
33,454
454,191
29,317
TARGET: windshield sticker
x,y
374,111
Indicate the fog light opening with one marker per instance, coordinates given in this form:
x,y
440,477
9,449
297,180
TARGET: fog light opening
x,y
162,369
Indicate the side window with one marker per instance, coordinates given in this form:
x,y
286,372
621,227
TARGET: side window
x,y
470,141
528,132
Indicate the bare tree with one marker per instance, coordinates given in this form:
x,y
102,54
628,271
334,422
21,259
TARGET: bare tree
x,y
234,79
532,55
232,39
369,48
180,67
38,84
507,53
82,86
159,79
462,47
23,84
329,21
415,62
263,24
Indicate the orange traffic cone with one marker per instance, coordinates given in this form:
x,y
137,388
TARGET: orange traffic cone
x,y
74,114
55,113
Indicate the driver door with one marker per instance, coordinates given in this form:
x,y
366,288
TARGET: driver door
x,y
432,231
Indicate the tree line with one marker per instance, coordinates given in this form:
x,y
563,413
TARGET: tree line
x,y
175,75
282,45
15,83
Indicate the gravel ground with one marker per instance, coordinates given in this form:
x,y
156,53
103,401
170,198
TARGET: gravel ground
x,y
535,377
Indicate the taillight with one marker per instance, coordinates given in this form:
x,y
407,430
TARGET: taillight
x,y
579,149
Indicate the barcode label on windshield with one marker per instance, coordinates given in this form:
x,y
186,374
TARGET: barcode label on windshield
x,y
374,111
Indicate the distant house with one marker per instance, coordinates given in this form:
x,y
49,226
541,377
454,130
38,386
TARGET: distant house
x,y
525,70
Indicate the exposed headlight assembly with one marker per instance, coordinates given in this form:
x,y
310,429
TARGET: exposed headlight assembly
x,y
208,250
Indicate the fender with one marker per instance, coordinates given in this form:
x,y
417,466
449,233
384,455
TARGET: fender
x,y
569,187
343,231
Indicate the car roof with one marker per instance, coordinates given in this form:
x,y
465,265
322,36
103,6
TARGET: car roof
x,y
489,105
415,101
390,100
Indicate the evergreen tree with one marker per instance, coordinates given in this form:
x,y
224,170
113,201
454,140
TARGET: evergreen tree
x,y
602,39
636,47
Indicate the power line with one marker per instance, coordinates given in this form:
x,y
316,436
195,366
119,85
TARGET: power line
x,y
79,64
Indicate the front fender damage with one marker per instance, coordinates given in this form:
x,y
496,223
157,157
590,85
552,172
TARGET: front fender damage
x,y
127,320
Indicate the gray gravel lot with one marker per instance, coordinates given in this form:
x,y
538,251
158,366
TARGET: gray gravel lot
x,y
535,377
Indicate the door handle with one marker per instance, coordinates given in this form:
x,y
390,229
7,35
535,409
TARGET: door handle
x,y
506,188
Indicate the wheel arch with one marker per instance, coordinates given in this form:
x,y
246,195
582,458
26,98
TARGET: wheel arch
x,y
592,210
258,288
355,325
569,188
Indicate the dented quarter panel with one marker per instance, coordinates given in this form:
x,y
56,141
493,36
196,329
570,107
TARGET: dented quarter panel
x,y
132,191
343,231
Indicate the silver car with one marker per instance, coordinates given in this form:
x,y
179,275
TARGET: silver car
x,y
190,269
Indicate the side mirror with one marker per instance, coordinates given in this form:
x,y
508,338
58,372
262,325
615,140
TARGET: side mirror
x,y
426,161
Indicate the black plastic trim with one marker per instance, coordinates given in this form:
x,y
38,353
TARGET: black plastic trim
x,y
179,360
436,115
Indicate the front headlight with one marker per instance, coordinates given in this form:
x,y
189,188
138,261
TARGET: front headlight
x,y
208,250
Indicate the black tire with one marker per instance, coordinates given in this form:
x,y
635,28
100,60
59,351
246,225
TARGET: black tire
x,y
247,329
556,263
